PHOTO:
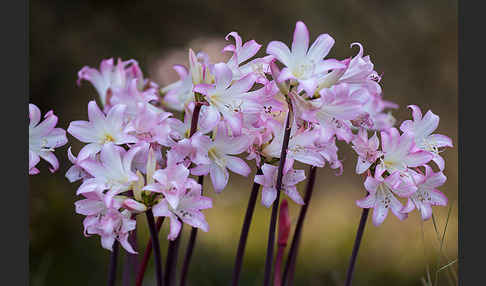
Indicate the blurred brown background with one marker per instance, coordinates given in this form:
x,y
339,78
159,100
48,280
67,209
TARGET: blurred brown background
x,y
414,43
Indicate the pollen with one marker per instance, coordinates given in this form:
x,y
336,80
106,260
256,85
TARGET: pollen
x,y
108,138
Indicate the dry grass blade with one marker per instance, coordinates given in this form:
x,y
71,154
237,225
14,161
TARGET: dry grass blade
x,y
447,265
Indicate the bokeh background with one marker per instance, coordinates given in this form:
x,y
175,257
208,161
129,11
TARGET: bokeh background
x,y
413,43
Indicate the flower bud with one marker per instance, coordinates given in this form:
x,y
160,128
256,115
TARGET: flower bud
x,y
283,224
282,86
134,206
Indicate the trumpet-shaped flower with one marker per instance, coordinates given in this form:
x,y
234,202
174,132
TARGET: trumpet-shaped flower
x,y
422,128
358,73
180,93
303,64
188,208
381,196
336,108
75,172
150,126
111,78
113,172
170,181
107,222
302,146
367,150
43,138
399,152
427,194
221,152
100,129
242,53
231,100
268,180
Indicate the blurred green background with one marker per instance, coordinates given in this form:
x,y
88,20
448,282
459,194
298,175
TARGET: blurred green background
x,y
414,43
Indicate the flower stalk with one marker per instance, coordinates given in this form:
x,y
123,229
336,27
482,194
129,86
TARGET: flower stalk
x,y
113,264
244,231
193,236
190,248
156,247
292,256
147,254
357,243
283,237
131,262
273,217
171,263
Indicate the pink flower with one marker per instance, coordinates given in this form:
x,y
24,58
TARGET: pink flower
x,y
113,172
75,172
302,146
101,129
427,194
132,97
399,152
188,209
43,138
150,126
180,93
111,78
242,53
358,74
108,223
328,151
381,196
422,128
268,180
195,148
221,152
304,64
172,180
230,99
336,108
367,150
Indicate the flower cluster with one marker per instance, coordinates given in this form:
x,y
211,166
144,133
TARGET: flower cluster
x,y
136,157
401,167
43,138
139,155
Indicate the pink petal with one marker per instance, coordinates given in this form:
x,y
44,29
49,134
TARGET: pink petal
x,y
95,115
280,51
379,214
418,158
237,165
219,177
440,140
371,184
438,198
83,131
89,207
223,75
195,219
51,158
366,202
425,211
294,195
269,194
320,48
410,206
416,112
300,43
329,64
34,115
175,227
